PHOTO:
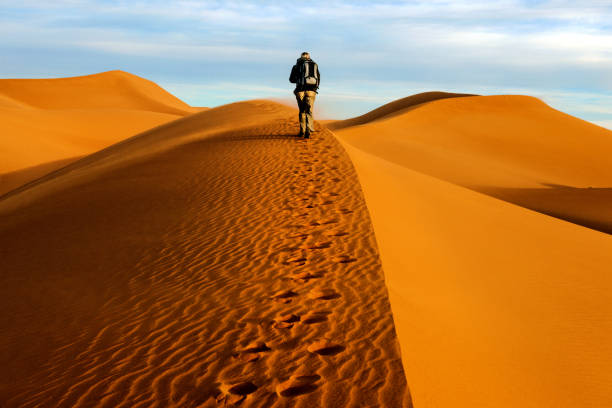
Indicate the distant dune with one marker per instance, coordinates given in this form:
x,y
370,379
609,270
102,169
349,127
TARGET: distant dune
x,y
46,123
495,305
515,148
393,108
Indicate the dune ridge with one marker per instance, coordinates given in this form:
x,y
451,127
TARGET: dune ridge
x,y
495,304
214,260
394,108
512,147
47,121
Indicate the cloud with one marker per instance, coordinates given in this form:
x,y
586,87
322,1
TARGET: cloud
x,y
369,51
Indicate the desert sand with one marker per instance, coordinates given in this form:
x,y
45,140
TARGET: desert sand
x,y
511,147
496,305
48,123
444,250
215,260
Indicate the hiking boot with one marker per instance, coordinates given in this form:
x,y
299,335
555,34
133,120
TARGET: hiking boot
x,y
301,134
307,135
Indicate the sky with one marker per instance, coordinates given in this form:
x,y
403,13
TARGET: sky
x,y
210,53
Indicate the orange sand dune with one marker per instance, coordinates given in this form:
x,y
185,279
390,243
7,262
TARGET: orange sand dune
x,y
47,121
212,261
495,305
511,147
111,89
393,108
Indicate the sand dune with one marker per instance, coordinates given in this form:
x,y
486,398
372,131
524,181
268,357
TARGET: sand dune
x,y
45,122
511,147
111,89
214,260
495,305
393,108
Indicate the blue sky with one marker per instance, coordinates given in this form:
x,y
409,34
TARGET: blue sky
x,y
370,52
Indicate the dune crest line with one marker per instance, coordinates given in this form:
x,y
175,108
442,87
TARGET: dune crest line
x,y
236,269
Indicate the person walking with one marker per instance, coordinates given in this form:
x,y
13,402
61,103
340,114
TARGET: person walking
x,y
305,75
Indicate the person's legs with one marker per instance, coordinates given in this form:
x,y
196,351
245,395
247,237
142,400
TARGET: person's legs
x,y
309,100
300,96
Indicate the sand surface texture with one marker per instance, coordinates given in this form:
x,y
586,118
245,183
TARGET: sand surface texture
x,y
214,260
496,305
48,123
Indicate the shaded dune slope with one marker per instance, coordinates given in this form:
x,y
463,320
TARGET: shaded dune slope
x,y
47,121
515,148
213,260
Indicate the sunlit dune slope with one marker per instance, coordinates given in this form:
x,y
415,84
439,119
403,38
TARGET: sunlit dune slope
x,y
515,148
495,305
43,121
111,89
212,261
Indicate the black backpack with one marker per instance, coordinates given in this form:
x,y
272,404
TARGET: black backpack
x,y
307,74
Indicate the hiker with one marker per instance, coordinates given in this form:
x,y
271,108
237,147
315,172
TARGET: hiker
x,y
305,75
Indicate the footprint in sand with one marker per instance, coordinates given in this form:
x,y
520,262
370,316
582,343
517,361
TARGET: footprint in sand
x,y
323,294
325,348
286,321
256,347
330,221
344,259
287,318
337,233
296,260
252,351
298,385
344,211
284,296
305,276
315,317
236,393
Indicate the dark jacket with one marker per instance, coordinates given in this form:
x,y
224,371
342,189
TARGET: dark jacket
x,y
295,71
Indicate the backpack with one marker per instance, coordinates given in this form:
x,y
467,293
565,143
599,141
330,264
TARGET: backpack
x,y
308,74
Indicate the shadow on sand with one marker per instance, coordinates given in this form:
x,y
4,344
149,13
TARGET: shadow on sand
x,y
589,207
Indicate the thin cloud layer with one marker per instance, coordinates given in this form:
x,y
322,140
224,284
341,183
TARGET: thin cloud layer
x,y
543,48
